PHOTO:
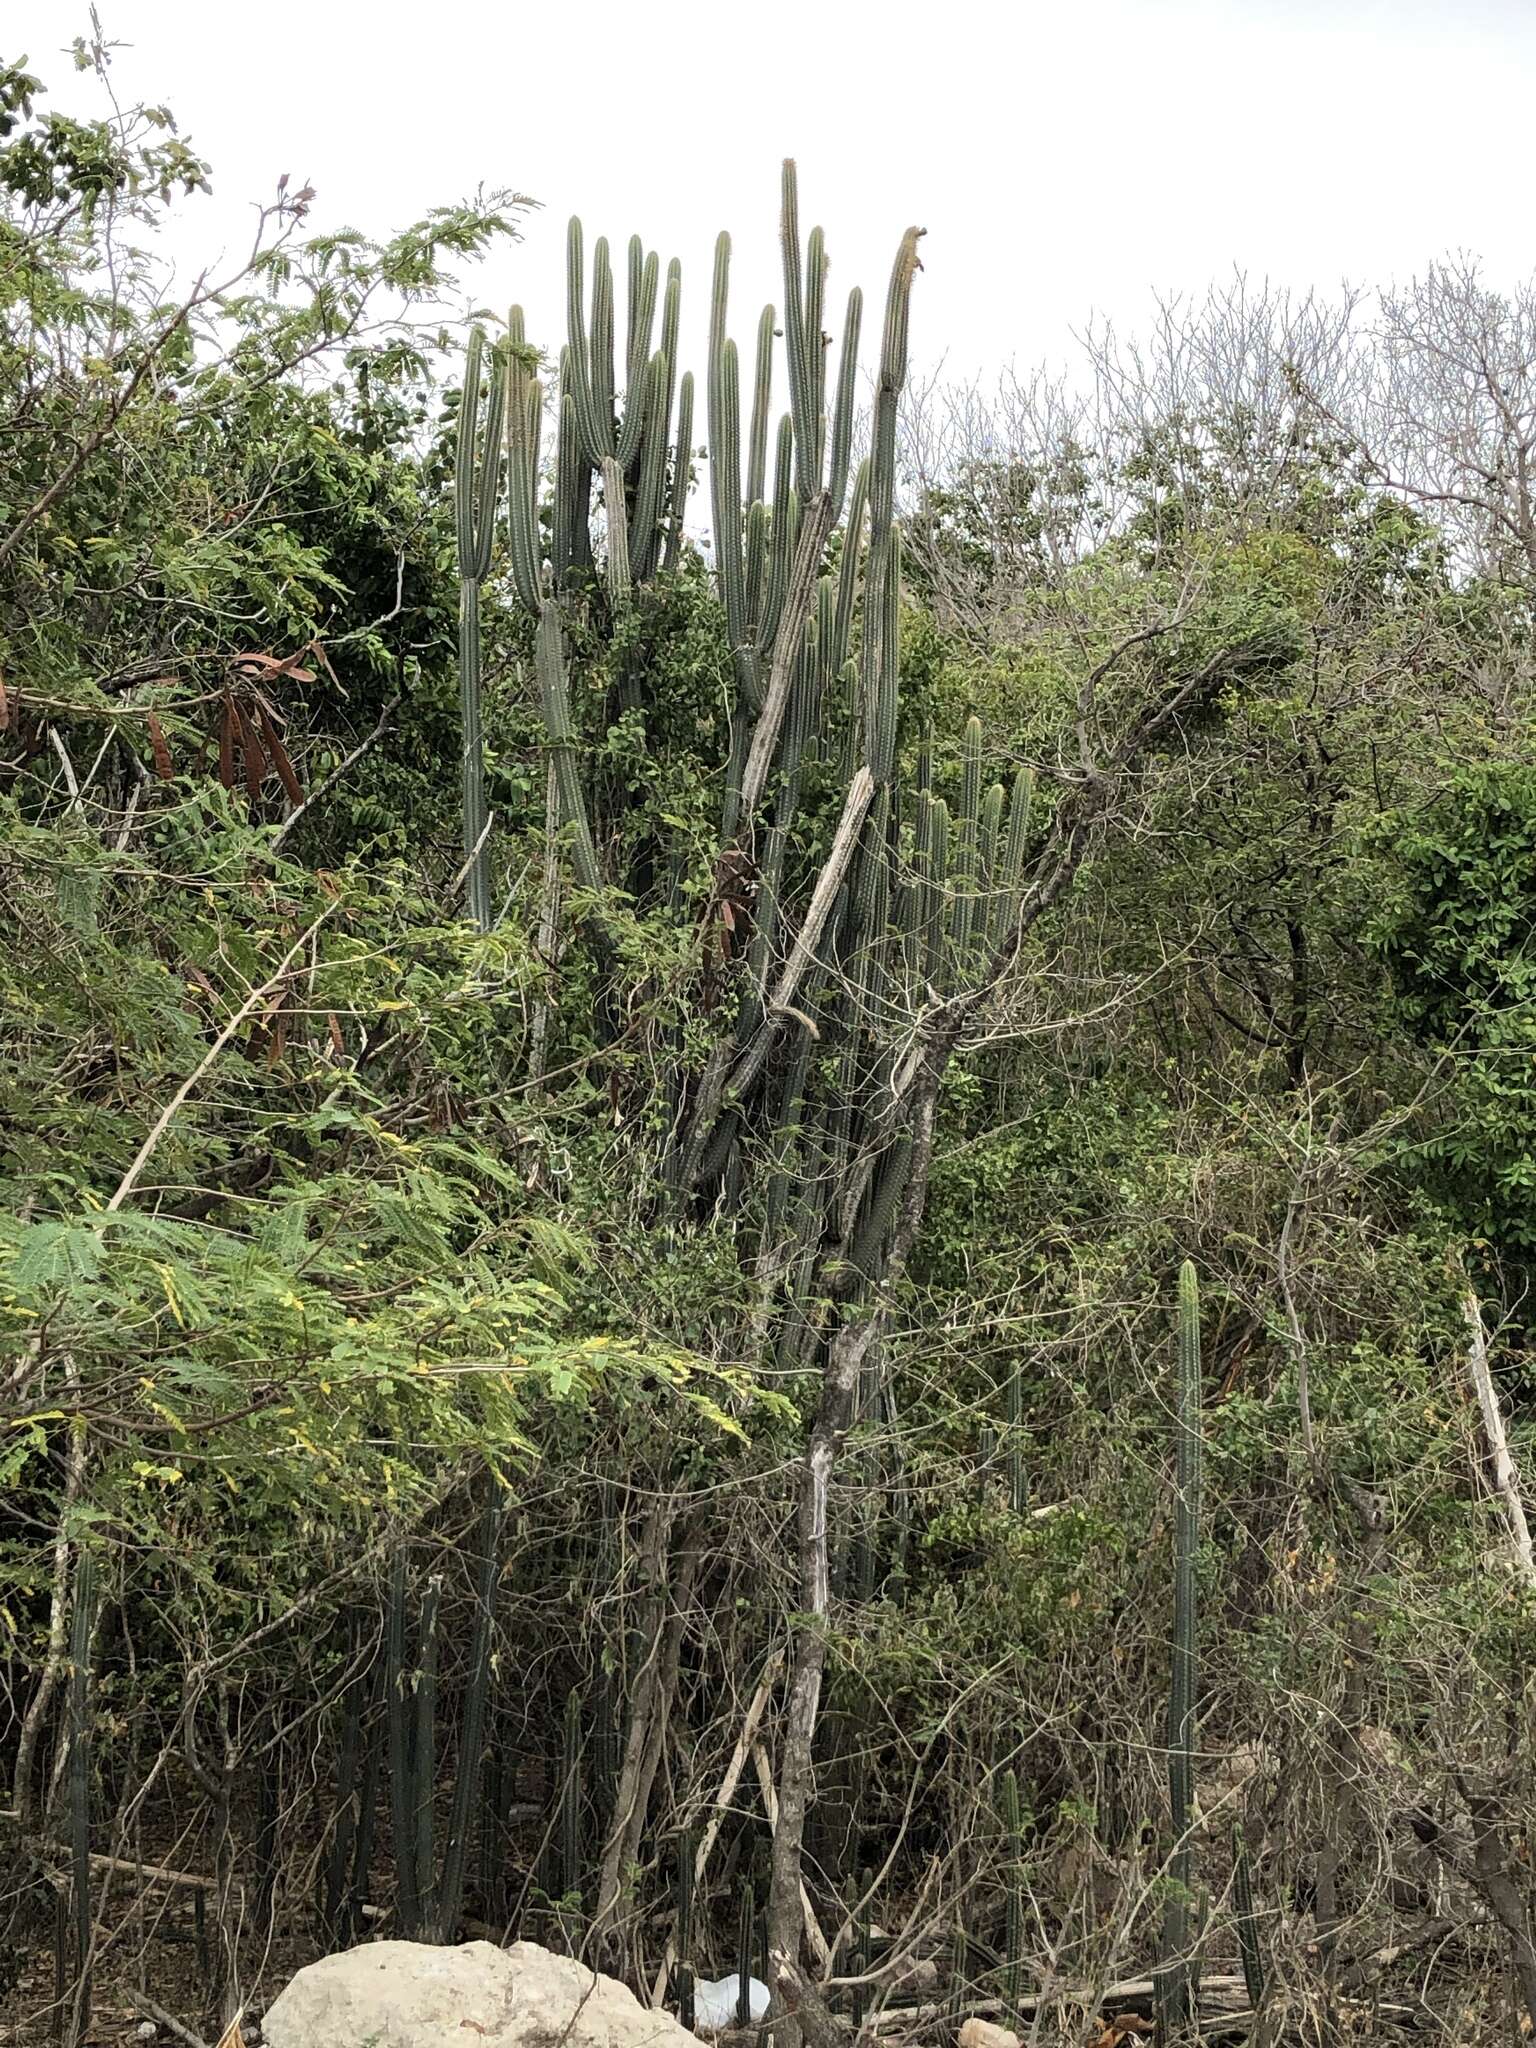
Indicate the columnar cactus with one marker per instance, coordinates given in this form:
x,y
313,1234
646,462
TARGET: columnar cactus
x,y
466,1787
1175,1979
1247,1919
684,1977
854,897
571,1798
477,479
82,1622
1013,1920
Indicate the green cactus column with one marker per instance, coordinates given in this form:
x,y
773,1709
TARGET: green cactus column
x,y
1175,1980
477,480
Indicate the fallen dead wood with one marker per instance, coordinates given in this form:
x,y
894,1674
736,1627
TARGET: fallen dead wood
x,y
156,1873
1221,1999
1225,2013
162,2018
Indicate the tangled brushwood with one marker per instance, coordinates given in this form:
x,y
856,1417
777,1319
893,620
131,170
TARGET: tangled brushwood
x,y
799,1258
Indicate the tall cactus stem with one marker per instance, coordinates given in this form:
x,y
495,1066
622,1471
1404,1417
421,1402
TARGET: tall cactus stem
x,y
402,1816
424,1752
843,403
1175,1975
762,398
554,691
685,1978
477,478
746,1931
82,1622
477,1691
1018,1480
1013,1925
600,349
682,473
571,1799
1247,1919
617,570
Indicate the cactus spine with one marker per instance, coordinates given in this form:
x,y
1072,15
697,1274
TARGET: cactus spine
x,y
1176,1979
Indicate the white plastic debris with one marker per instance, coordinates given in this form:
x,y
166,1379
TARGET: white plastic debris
x,y
714,2005
146,2030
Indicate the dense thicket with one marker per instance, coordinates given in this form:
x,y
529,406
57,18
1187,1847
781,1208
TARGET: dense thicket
x,y
518,1373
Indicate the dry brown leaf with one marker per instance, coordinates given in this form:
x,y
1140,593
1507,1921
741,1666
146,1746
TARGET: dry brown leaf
x,y
279,758
163,764
274,665
255,759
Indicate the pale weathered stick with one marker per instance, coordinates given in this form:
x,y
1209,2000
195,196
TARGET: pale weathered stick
x,y
1505,1479
162,2018
154,1873
861,793
324,787
252,1002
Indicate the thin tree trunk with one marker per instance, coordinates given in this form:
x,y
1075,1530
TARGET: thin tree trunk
x,y
1483,1865
22,1793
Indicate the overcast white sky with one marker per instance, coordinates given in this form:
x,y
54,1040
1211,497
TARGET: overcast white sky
x,y
1065,158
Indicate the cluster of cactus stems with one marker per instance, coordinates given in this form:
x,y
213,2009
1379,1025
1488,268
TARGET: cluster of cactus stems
x,y
865,906
1176,1988
861,887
